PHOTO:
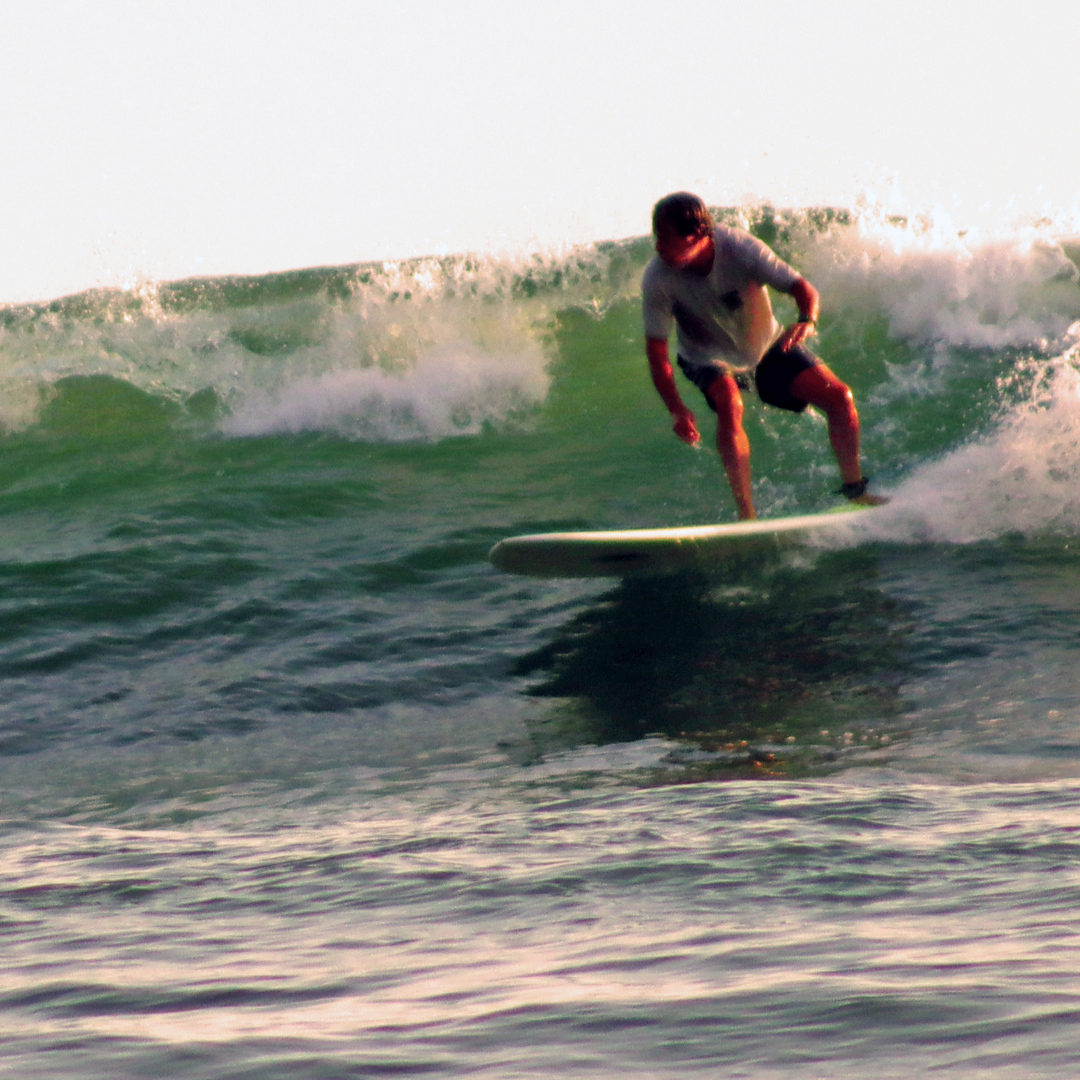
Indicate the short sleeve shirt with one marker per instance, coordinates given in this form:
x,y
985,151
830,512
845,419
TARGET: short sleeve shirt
x,y
724,315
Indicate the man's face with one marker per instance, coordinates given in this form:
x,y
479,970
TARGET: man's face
x,y
680,252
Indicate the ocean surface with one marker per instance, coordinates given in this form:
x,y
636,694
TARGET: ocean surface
x,y
294,784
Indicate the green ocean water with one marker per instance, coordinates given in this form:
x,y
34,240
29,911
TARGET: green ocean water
x,y
293,782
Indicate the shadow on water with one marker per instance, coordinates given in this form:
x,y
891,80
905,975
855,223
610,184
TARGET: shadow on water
x,y
770,653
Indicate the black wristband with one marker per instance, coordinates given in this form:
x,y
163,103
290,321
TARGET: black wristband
x,y
812,322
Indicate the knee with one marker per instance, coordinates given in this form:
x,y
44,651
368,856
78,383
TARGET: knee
x,y
838,402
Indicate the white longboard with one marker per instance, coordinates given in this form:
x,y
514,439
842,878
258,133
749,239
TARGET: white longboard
x,y
656,551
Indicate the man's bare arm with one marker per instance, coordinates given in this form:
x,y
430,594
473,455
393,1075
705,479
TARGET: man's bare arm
x,y
806,296
664,380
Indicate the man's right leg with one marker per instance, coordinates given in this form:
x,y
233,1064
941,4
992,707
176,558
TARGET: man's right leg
x,y
731,441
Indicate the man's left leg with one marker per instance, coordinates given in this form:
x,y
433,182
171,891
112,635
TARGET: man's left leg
x,y
819,387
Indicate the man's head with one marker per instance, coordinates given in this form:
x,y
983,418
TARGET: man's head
x,y
683,229
683,214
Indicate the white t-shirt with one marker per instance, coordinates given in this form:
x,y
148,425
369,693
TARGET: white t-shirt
x,y
724,315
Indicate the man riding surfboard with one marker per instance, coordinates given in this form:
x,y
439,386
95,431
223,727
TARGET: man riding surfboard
x,y
709,281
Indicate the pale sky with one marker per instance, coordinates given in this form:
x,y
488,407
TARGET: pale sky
x,y
145,139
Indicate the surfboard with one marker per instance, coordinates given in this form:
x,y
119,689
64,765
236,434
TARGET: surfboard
x,y
657,551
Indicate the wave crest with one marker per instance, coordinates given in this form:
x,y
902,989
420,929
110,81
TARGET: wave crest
x,y
452,389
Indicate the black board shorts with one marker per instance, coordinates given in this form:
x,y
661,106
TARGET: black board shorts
x,y
777,370
704,377
773,376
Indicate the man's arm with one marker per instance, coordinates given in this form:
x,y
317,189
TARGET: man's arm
x,y
664,380
806,296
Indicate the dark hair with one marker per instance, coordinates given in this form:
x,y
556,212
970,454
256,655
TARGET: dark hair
x,y
683,213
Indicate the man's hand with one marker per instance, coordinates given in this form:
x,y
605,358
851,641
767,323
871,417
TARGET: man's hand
x,y
664,380
686,428
795,334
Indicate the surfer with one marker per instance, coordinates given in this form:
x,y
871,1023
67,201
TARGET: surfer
x,y
709,281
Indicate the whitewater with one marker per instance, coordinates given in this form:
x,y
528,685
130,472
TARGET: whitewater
x,y
294,783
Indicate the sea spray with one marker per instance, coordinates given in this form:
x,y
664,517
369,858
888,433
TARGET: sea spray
x,y
937,286
1021,476
250,342
451,389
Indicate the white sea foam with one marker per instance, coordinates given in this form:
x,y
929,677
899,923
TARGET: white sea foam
x,y
936,286
1022,476
436,348
452,389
